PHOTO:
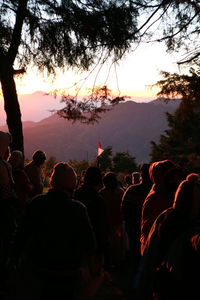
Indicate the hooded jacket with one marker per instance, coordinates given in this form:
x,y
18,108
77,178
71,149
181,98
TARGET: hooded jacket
x,y
160,196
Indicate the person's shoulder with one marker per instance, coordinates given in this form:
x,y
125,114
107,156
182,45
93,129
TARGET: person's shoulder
x,y
28,165
2,165
37,203
152,194
164,215
133,190
76,203
79,190
150,200
39,198
77,206
120,190
28,168
102,191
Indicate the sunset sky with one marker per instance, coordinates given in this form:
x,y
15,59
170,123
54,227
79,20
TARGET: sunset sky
x,y
130,77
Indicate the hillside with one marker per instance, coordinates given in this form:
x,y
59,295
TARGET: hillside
x,y
130,126
41,104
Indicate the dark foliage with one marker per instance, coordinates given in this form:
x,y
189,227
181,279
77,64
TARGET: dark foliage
x,y
124,162
52,34
181,141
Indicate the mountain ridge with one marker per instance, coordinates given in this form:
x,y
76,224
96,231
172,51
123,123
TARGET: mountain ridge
x,y
129,126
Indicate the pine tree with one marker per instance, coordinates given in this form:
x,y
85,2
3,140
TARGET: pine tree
x,y
181,142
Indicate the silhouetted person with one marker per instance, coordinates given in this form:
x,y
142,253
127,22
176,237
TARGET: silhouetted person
x,y
7,205
34,172
166,176
89,195
22,184
7,154
54,242
112,194
128,181
171,261
136,177
6,180
133,200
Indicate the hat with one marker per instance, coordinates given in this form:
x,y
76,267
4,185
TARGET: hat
x,y
39,156
160,170
63,176
187,197
93,176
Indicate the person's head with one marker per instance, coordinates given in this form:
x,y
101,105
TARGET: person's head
x,y
166,173
144,172
16,159
93,178
5,141
110,180
135,177
63,177
39,157
187,197
128,179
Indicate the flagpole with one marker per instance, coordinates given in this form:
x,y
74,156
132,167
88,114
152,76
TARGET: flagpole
x,y
100,150
87,156
98,163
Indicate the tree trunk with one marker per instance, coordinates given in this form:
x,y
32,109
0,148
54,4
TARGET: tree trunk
x,y
12,109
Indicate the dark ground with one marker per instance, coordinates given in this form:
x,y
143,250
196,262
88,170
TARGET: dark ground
x,y
116,285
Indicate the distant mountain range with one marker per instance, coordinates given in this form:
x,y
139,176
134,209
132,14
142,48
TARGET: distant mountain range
x,y
41,105
129,126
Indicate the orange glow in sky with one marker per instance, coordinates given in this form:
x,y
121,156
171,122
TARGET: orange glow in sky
x,y
132,76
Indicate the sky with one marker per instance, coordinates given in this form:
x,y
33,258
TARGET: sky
x,y
131,77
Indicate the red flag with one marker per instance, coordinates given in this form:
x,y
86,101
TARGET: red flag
x,y
100,149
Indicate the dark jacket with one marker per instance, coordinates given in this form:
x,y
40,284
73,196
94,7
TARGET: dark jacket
x,y
56,232
96,211
160,196
133,200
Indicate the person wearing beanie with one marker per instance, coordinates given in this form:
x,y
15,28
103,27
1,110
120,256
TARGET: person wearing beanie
x,y
55,241
63,177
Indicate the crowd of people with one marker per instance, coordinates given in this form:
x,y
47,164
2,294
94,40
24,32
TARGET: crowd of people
x,y
57,244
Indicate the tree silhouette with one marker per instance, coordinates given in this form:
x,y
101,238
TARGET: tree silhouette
x,y
124,162
173,21
88,110
52,34
181,141
57,34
